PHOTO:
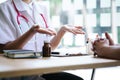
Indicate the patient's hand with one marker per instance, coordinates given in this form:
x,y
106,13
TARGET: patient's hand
x,y
100,46
111,42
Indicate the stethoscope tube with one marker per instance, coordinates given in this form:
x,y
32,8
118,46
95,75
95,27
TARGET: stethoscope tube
x,y
20,15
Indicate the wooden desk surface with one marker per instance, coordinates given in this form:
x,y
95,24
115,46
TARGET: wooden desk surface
x,y
19,67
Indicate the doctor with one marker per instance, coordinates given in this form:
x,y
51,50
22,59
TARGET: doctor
x,y
24,25
18,29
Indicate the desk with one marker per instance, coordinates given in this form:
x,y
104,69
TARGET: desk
x,y
19,67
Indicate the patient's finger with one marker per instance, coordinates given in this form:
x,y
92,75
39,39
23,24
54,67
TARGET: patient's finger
x,y
109,38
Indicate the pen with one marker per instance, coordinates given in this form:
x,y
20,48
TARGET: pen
x,y
86,35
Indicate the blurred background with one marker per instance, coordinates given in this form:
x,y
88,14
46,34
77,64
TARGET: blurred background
x,y
97,16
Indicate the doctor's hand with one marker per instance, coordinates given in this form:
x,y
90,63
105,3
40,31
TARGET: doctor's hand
x,y
38,29
73,29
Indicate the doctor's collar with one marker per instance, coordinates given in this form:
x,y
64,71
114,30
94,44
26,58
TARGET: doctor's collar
x,y
30,5
39,8
19,5
27,1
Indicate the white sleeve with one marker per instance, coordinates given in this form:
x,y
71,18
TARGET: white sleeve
x,y
7,31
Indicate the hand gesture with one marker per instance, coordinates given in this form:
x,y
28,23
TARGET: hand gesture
x,y
37,28
73,29
109,38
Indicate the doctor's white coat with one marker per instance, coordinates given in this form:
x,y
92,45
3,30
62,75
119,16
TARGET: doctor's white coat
x,y
11,30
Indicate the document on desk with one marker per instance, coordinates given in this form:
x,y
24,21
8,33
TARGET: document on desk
x,y
67,52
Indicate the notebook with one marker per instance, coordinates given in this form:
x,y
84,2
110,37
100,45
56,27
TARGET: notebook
x,y
21,53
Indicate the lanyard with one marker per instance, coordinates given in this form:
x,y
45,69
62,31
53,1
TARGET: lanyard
x,y
20,15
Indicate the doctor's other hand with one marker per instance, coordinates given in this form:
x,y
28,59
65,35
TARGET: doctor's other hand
x,y
73,29
38,29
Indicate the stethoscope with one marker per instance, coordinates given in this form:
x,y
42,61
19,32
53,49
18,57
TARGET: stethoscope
x,y
21,15
26,19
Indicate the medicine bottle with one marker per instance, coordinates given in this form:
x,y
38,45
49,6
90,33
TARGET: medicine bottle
x,y
46,50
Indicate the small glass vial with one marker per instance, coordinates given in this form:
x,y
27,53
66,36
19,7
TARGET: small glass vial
x,y
46,50
89,47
